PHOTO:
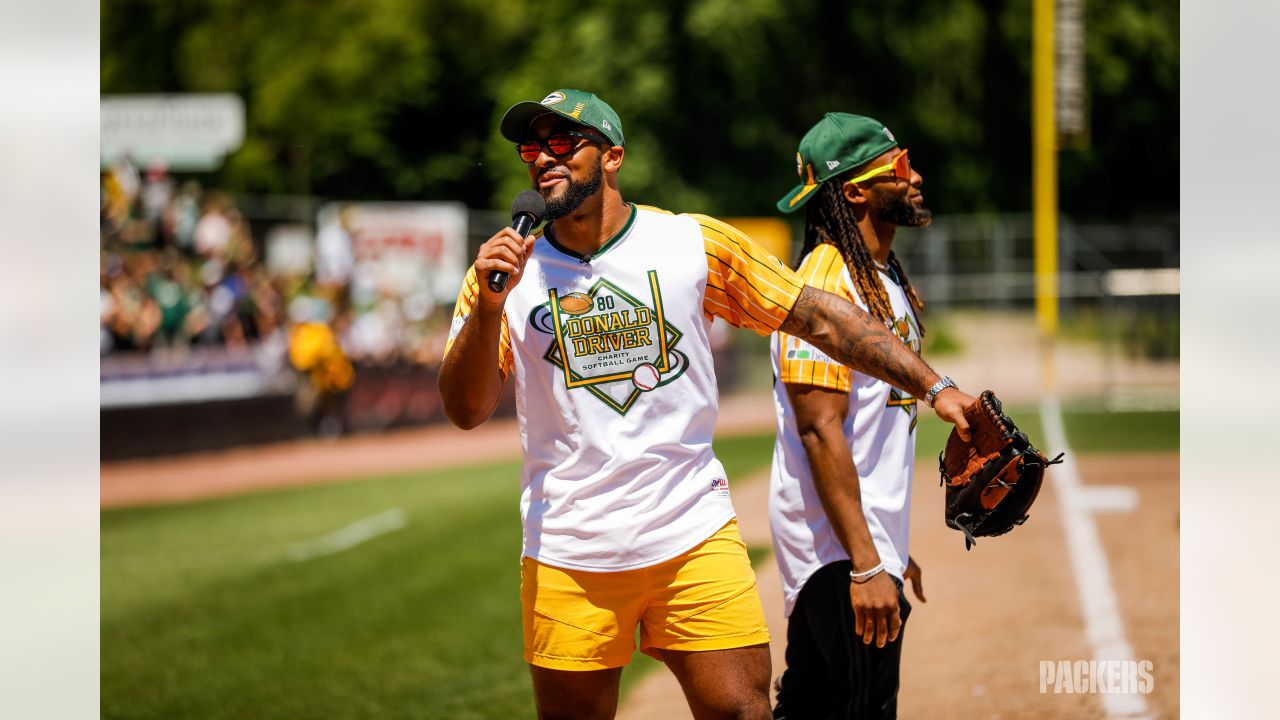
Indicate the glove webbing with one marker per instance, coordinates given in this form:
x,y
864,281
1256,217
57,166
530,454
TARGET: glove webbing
x,y
969,540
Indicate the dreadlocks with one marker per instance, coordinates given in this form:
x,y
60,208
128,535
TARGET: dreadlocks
x,y
829,218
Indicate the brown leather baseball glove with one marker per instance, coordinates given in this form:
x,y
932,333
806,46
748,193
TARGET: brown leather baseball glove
x,y
992,479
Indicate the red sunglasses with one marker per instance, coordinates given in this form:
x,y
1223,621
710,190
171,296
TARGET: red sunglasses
x,y
558,145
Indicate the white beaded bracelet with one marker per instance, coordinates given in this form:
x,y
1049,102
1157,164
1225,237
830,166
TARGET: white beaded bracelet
x,y
861,577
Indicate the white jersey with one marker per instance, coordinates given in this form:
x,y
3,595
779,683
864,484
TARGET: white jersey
x,y
615,388
880,428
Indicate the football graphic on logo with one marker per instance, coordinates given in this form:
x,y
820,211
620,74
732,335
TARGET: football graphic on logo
x,y
575,303
645,377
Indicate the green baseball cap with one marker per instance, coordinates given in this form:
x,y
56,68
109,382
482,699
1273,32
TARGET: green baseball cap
x,y
579,106
838,143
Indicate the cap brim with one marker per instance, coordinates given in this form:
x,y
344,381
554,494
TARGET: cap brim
x,y
515,124
798,196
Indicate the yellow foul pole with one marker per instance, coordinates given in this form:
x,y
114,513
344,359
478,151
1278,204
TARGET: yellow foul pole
x,y
1044,180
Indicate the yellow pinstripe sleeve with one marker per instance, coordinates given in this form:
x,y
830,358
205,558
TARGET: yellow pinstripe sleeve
x,y
746,286
462,310
802,363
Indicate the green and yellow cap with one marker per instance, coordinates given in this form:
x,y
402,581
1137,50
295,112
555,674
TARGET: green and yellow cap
x,y
579,106
838,143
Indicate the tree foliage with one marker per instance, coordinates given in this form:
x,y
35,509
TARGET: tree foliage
x,y
400,99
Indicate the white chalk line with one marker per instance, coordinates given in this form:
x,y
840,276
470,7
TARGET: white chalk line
x,y
347,537
1103,623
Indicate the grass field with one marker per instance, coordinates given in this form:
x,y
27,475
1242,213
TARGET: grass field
x,y
207,610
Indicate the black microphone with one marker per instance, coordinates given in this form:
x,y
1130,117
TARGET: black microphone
x,y
526,211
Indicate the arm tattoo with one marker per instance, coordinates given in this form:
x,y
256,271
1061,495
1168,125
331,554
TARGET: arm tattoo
x,y
851,336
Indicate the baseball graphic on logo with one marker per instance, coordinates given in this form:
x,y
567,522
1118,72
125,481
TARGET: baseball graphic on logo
x,y
575,303
645,377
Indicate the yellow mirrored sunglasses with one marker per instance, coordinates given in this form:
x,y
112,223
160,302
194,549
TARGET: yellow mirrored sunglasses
x,y
900,166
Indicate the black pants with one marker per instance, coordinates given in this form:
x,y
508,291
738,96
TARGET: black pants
x,y
830,672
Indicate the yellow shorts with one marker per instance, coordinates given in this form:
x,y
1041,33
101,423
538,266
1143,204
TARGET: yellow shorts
x,y
705,599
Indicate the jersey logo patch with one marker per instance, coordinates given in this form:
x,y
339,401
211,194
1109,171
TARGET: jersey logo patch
x,y
610,343
905,327
908,331
899,399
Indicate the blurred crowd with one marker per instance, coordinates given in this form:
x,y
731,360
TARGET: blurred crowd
x,y
178,267
181,268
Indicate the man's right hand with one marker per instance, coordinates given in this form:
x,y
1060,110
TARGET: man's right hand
x,y
875,609
505,251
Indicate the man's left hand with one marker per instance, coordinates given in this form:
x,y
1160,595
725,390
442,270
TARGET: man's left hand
x,y
913,574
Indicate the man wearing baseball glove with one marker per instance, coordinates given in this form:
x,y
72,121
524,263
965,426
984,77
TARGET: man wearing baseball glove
x,y
841,481
840,492
603,326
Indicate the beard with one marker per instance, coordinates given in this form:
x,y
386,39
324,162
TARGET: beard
x,y
898,210
573,196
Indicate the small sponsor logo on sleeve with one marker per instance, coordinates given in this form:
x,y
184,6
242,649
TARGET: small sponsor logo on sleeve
x,y
805,351
720,487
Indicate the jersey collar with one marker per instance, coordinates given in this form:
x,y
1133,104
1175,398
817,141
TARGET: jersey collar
x,y
609,244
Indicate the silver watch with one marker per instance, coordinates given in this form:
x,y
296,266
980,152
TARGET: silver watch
x,y
938,387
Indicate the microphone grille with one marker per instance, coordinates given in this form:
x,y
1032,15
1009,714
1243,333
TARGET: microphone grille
x,y
530,202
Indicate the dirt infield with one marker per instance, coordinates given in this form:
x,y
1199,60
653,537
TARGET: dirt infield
x,y
214,474
994,613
